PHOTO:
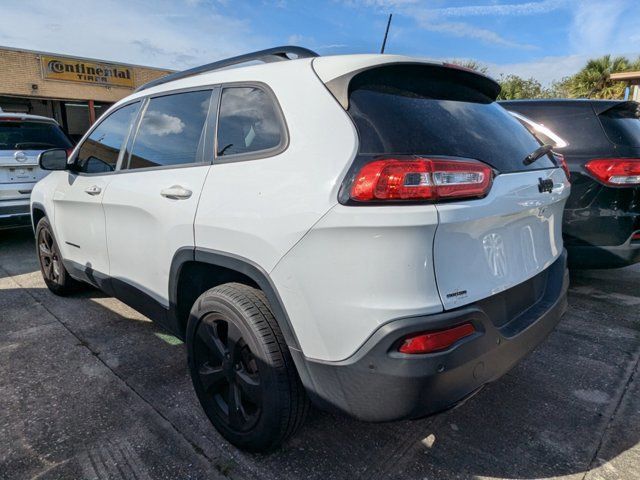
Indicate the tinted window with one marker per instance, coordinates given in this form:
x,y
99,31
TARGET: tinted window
x,y
433,111
170,130
99,152
248,122
576,124
622,124
26,135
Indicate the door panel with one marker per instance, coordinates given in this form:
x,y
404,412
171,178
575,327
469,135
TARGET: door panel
x,y
79,216
150,206
79,221
145,227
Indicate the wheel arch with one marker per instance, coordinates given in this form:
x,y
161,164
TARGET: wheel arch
x,y
38,212
195,270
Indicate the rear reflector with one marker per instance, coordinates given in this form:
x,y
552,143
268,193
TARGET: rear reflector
x,y
430,342
421,179
618,172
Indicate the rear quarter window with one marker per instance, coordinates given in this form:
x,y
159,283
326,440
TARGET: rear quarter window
x,y
420,110
250,124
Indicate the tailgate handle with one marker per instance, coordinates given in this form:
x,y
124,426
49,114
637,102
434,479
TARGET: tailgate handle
x,y
93,190
176,192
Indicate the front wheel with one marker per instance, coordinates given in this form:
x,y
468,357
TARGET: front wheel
x,y
242,370
54,274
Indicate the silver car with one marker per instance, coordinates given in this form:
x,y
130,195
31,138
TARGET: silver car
x,y
22,138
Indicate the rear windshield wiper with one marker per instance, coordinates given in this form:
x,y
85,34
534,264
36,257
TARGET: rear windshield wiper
x,y
537,153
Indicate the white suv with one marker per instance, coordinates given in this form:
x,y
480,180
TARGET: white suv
x,y
22,138
371,232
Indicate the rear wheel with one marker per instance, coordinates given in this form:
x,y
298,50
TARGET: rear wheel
x,y
241,368
54,274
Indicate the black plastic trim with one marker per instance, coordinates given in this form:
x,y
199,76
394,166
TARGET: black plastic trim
x,y
378,383
268,55
251,270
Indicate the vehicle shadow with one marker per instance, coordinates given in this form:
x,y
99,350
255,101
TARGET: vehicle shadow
x,y
18,251
546,418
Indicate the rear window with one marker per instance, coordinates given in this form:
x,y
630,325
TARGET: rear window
x,y
622,124
575,123
25,135
434,111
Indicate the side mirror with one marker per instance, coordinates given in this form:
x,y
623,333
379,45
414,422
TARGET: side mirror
x,y
54,159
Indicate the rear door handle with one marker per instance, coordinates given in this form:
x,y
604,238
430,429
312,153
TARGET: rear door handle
x,y
176,192
93,190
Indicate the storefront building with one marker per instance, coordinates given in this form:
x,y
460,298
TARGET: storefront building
x,y
632,79
75,91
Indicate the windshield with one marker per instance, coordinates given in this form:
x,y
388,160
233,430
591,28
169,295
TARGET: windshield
x,y
21,135
422,111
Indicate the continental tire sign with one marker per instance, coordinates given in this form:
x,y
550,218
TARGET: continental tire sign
x,y
72,70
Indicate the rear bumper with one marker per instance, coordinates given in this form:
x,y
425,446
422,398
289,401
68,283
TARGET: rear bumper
x,y
594,256
380,384
15,215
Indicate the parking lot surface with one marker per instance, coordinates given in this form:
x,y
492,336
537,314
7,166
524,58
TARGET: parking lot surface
x,y
89,388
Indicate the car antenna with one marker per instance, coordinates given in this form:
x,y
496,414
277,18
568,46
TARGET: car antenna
x,y
386,33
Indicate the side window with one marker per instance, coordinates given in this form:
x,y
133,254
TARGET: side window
x,y
170,130
99,152
248,122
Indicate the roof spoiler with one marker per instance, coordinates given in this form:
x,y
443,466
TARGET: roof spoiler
x,y
339,86
605,107
269,55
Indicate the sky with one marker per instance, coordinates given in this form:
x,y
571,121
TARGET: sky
x,y
544,39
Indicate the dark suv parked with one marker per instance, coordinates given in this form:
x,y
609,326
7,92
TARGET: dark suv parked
x,y
601,223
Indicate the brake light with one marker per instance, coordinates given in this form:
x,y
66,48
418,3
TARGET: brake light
x,y
562,162
618,172
421,179
430,342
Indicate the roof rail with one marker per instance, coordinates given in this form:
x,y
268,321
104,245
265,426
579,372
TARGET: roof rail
x,y
269,55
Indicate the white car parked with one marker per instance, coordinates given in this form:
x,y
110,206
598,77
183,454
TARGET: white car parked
x,y
22,138
371,232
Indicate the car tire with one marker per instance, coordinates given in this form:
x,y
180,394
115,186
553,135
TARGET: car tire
x,y
53,272
241,368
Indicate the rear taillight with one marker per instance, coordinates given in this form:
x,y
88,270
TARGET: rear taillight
x,y
635,237
618,172
429,342
421,179
69,152
562,163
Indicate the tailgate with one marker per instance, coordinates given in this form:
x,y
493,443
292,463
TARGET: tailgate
x,y
19,171
485,246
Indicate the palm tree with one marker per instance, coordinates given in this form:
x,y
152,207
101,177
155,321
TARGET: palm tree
x,y
594,80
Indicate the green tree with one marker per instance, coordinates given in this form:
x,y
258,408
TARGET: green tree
x,y
514,87
594,80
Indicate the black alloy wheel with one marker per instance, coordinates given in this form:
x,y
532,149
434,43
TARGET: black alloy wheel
x,y
49,258
242,370
228,372
52,267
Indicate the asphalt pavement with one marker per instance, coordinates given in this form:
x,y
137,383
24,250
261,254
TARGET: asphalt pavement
x,y
91,389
